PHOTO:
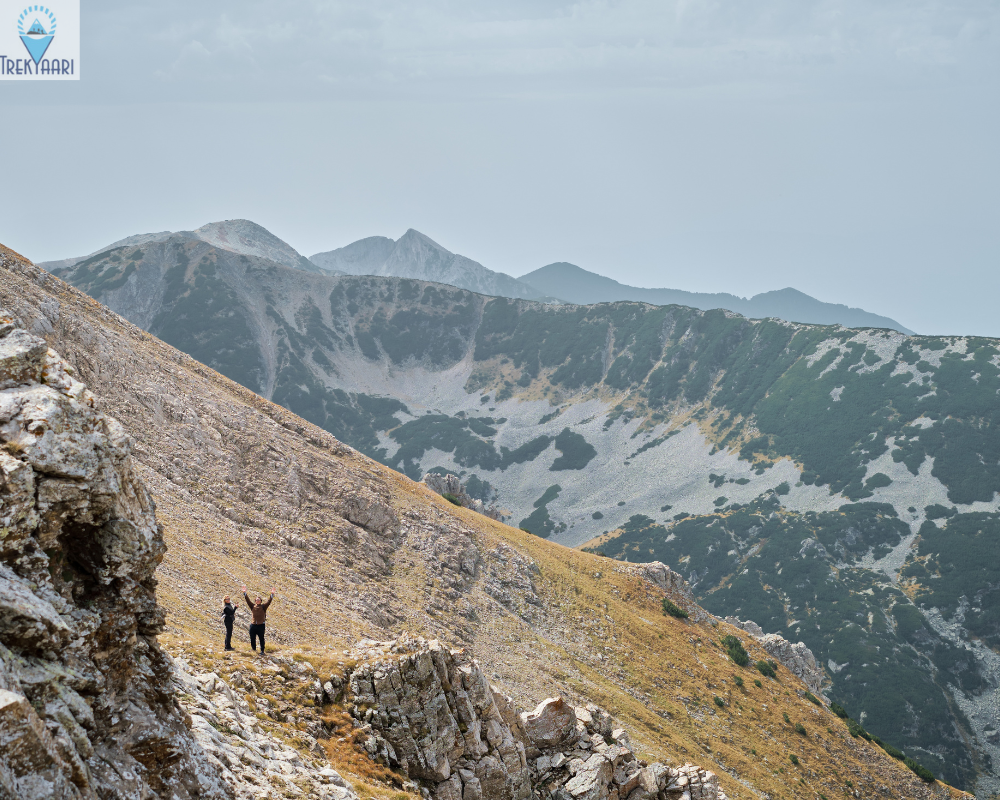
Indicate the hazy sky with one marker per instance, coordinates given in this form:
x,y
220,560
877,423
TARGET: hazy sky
x,y
846,148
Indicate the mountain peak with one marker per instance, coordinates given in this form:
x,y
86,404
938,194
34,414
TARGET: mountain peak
x,y
248,238
416,255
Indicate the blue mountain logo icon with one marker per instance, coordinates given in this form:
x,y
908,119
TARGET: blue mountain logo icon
x,y
36,39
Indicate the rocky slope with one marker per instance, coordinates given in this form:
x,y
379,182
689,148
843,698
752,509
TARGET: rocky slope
x,y
246,491
85,705
876,447
431,712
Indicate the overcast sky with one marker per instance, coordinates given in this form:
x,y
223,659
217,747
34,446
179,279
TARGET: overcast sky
x,y
847,148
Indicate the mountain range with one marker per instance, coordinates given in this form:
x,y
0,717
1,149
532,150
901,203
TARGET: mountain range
x,y
835,485
415,255
575,285
245,491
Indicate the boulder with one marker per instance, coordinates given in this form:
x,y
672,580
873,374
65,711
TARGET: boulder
x,y
552,723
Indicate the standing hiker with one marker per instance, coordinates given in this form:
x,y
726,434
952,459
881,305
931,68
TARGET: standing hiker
x,y
258,609
228,617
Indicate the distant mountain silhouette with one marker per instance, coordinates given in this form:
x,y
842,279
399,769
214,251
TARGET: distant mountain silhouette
x,y
576,285
415,255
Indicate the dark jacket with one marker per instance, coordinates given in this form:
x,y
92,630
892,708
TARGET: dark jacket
x,y
259,612
229,612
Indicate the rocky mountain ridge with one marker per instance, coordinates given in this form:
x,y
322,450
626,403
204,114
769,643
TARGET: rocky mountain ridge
x,y
417,256
572,284
414,255
247,491
239,236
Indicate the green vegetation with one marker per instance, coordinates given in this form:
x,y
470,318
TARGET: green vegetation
x,y
766,669
539,522
773,566
735,650
922,772
720,702
451,499
576,452
800,729
672,609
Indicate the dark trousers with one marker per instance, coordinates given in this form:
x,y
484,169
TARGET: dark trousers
x,y
255,631
229,633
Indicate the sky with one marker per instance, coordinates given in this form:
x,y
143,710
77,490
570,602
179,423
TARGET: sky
x,y
847,148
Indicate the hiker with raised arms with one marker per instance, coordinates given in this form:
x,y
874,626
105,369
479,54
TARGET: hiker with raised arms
x,y
258,609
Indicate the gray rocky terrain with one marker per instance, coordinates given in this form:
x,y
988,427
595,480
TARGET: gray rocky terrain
x,y
431,711
85,705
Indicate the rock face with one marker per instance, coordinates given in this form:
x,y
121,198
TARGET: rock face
x,y
797,657
431,712
252,762
449,484
85,709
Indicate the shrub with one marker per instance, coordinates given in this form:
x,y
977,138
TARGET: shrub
x,y
794,759
451,499
597,515
782,488
854,728
738,681
765,669
839,710
785,716
674,610
720,702
922,772
757,683
800,728
735,650
812,698
892,751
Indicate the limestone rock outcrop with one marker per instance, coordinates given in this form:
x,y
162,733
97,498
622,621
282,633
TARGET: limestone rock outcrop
x,y
253,763
673,584
798,658
451,485
430,712
85,705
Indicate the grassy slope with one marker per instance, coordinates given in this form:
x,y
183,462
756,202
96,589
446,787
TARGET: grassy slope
x,y
236,478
